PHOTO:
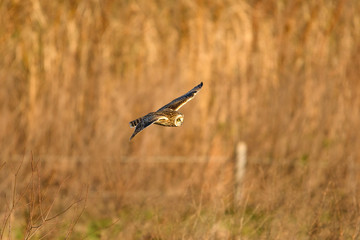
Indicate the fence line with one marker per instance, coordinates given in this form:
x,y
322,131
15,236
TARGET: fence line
x,y
123,159
238,161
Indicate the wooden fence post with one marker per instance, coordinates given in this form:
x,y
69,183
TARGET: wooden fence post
x,y
239,170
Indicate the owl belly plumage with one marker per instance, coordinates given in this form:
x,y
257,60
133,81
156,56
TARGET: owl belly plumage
x,y
170,118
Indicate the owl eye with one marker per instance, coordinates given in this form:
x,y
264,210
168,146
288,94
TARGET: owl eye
x,y
178,121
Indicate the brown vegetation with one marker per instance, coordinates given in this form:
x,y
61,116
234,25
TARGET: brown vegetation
x,y
282,76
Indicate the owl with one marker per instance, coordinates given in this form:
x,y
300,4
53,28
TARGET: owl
x,y
167,115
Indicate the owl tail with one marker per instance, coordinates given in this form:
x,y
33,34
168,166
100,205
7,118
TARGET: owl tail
x,y
135,122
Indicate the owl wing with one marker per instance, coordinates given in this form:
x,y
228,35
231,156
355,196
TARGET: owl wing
x,y
145,122
177,103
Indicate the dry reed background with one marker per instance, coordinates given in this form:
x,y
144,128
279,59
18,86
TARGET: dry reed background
x,y
283,76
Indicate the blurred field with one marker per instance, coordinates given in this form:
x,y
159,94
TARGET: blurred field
x,y
282,76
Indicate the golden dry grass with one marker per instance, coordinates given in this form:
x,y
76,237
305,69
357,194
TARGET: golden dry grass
x,y
283,76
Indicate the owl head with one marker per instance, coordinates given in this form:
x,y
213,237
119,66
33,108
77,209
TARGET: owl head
x,y
179,119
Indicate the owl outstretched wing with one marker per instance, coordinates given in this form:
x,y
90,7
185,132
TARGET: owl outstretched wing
x,y
177,103
141,123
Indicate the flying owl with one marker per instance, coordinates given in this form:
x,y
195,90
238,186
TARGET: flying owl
x,y
168,115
